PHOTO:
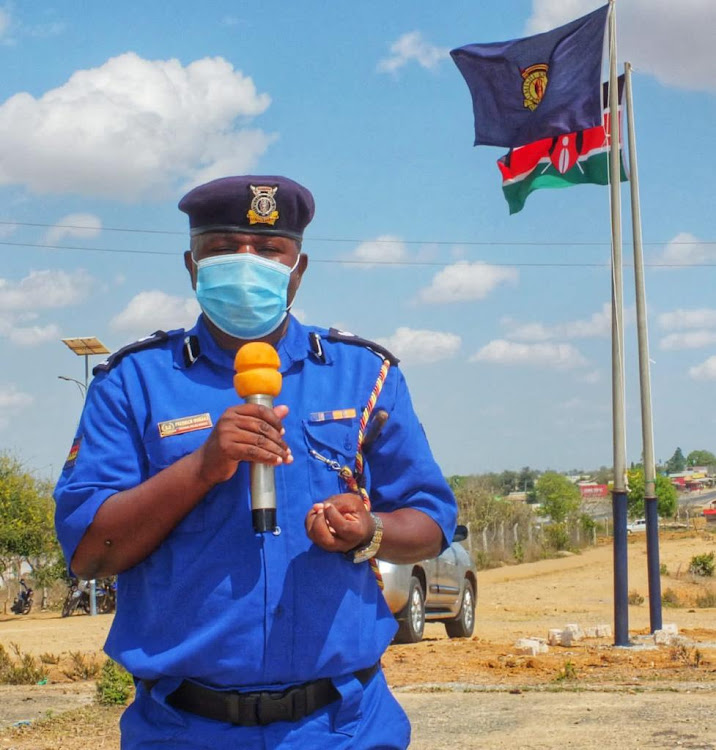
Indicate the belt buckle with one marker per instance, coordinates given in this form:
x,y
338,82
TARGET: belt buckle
x,y
284,706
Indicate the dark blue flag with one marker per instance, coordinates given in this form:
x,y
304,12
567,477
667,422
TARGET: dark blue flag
x,y
538,87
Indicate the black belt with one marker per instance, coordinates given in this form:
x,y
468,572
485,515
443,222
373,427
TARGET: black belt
x,y
260,708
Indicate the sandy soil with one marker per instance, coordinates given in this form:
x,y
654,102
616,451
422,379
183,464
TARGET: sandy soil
x,y
589,695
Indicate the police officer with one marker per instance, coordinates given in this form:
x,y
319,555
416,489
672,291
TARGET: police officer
x,y
240,639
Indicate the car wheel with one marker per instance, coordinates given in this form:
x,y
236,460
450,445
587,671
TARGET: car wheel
x,y
464,624
411,627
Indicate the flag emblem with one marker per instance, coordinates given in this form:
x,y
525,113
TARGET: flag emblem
x,y
534,85
263,205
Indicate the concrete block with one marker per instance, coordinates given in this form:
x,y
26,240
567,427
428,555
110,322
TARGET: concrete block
x,y
604,631
531,646
575,630
666,637
554,637
590,632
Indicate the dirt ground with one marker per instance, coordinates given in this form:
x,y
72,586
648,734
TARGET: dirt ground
x,y
478,692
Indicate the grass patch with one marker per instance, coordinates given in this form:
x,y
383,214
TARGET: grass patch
x,y
82,667
707,600
568,672
20,669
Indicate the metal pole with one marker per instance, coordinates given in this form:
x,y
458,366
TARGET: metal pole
x,y
92,583
647,427
619,495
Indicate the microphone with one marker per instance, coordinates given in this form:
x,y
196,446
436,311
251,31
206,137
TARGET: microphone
x,y
258,381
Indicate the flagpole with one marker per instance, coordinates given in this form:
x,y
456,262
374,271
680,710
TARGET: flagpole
x,y
619,495
647,428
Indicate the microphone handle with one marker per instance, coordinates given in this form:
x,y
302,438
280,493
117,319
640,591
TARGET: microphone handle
x,y
263,489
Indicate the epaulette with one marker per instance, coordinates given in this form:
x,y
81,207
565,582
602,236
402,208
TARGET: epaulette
x,y
156,338
350,338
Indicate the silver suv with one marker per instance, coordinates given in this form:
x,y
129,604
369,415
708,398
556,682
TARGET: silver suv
x,y
442,589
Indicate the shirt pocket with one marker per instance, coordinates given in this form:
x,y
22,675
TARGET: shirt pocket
x,y
165,451
330,446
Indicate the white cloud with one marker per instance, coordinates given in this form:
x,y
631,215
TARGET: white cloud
x,y
5,23
383,249
688,340
552,356
412,47
417,346
687,250
34,335
465,281
133,128
12,398
598,325
74,225
679,319
153,310
45,289
705,371
671,40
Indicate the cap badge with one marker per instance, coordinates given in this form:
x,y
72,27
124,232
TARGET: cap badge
x,y
263,205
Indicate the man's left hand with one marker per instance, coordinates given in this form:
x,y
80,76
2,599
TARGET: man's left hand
x,y
339,524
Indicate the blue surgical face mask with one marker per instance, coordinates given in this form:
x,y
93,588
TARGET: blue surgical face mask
x,y
242,294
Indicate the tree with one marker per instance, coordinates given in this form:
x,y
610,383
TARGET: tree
x,y
676,463
27,531
701,458
666,495
560,498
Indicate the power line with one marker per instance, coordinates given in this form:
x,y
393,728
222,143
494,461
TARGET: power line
x,y
353,262
487,243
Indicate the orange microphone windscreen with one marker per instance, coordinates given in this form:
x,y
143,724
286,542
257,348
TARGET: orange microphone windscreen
x,y
256,366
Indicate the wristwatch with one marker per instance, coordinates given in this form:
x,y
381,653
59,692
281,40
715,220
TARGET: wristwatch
x,y
370,550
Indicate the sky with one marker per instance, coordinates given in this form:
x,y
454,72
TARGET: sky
x,y
109,113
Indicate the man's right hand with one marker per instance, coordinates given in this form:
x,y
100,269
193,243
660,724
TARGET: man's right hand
x,y
247,432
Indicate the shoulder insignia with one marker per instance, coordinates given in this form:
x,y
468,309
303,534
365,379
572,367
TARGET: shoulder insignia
x,y
144,343
350,338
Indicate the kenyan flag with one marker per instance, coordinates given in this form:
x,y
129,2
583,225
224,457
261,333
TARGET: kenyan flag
x,y
562,161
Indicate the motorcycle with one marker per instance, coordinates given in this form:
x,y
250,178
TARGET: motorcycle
x,y
23,601
106,595
77,598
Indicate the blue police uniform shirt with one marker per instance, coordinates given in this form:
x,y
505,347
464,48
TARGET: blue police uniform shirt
x,y
216,602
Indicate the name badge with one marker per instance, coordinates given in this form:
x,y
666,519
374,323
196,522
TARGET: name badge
x,y
329,416
184,424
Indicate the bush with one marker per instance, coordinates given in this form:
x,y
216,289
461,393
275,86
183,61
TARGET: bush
x,y
557,536
635,598
702,565
23,670
707,600
669,598
115,685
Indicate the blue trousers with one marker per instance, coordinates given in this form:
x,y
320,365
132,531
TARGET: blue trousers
x,y
365,718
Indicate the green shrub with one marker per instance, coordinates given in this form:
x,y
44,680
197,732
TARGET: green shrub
x,y
702,565
557,536
635,598
663,570
568,672
669,598
115,685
